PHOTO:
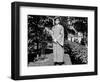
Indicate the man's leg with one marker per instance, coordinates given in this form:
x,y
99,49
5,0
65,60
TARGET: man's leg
x,y
54,53
60,55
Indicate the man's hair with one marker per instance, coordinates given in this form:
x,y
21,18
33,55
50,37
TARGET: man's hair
x,y
58,19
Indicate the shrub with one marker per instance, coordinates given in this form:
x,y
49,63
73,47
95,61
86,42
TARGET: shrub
x,y
77,52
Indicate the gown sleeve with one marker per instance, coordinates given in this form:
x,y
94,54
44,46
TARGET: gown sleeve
x,y
60,38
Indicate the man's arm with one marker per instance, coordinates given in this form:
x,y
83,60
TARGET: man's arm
x,y
61,33
50,32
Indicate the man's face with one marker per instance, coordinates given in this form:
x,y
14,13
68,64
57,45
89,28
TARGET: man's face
x,y
57,21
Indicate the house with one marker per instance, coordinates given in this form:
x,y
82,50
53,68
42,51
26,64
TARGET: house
x,y
75,38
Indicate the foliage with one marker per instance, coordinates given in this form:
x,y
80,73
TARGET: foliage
x,y
78,53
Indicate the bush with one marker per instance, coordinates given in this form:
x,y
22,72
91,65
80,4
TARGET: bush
x,y
78,53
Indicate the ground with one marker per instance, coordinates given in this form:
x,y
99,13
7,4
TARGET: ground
x,y
48,60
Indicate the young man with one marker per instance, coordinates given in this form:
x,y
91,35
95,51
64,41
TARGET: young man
x,y
57,34
58,42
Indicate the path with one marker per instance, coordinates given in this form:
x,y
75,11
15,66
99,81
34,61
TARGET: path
x,y
49,61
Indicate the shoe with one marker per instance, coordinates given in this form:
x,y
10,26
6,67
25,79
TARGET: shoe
x,y
61,63
55,63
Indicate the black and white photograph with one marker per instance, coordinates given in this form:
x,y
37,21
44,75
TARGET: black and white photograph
x,y
53,40
57,40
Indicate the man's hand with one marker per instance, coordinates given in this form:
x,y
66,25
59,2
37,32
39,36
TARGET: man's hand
x,y
55,40
46,29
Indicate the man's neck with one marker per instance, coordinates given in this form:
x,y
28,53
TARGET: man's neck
x,y
57,24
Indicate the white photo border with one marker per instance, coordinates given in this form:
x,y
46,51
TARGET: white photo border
x,y
42,70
